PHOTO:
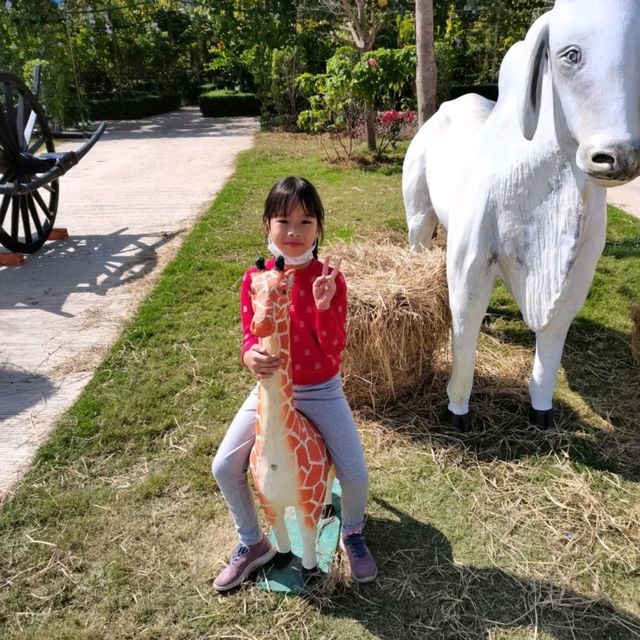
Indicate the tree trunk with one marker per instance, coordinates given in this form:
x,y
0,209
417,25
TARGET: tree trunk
x,y
427,73
370,126
363,25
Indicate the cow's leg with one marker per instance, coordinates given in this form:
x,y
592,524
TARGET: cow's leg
x,y
470,286
549,344
421,218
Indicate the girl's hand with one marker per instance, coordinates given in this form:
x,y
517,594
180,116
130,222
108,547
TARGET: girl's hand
x,y
324,286
261,363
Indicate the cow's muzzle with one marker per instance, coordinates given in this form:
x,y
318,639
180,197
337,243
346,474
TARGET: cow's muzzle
x,y
610,165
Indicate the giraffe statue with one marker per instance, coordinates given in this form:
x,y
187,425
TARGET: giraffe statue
x,y
289,462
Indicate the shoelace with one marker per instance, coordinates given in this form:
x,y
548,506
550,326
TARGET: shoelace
x,y
241,550
357,542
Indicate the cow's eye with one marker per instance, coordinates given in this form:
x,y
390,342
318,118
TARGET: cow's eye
x,y
572,55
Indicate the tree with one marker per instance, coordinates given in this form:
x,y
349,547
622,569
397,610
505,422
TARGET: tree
x,y
363,19
427,73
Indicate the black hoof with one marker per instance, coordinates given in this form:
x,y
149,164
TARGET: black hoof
x,y
282,560
460,422
310,576
541,419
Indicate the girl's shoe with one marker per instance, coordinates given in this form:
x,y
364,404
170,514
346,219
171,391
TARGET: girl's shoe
x,y
244,561
362,563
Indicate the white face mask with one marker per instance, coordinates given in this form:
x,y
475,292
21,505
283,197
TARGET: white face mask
x,y
293,261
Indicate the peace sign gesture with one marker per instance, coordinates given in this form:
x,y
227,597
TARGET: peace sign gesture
x,y
324,286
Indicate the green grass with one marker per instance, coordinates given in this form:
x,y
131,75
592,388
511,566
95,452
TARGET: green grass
x,y
119,527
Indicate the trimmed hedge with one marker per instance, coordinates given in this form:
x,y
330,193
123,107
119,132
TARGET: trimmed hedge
x,y
133,108
219,103
489,91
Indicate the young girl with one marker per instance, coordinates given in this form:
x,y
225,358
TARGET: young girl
x,y
293,221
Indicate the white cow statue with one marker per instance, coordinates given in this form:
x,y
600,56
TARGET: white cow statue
x,y
520,184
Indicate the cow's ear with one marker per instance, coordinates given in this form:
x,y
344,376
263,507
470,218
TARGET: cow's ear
x,y
529,98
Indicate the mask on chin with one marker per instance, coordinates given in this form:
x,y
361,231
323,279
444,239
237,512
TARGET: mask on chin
x,y
293,261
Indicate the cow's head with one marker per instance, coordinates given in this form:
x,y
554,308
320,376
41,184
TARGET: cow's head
x,y
592,48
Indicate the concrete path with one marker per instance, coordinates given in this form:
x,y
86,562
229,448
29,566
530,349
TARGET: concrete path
x,y
127,206
626,197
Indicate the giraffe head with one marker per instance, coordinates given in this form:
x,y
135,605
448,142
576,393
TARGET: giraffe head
x,y
270,289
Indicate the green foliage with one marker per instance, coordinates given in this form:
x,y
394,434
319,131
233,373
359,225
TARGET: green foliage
x,y
338,99
102,48
284,96
406,26
383,77
222,102
377,77
134,107
333,104
57,94
472,38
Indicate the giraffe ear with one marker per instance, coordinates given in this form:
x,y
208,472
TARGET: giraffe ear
x,y
280,263
260,264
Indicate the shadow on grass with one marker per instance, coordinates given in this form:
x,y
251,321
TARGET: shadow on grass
x,y
387,165
421,592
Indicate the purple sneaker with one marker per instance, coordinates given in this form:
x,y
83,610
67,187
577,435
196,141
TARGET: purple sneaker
x,y
362,563
244,561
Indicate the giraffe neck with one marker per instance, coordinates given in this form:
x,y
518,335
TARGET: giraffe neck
x,y
276,392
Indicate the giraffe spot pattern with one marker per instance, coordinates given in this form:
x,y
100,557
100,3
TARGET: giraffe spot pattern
x,y
303,439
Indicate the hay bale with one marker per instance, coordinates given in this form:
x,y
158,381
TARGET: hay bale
x,y
398,318
635,330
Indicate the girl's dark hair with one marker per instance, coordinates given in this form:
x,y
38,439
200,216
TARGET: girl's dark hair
x,y
286,194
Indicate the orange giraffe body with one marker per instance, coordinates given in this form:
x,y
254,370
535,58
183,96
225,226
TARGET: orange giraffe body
x,y
289,461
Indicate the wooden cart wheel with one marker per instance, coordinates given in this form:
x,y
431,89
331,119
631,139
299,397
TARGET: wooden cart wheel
x,y
25,219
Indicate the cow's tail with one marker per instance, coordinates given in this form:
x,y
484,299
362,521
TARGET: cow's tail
x,y
421,218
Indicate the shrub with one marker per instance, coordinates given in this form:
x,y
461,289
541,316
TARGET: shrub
x,y
133,108
220,103
392,126
351,88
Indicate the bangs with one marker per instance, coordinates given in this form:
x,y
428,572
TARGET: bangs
x,y
285,203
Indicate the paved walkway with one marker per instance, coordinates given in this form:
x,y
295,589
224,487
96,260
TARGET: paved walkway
x,y
626,197
127,206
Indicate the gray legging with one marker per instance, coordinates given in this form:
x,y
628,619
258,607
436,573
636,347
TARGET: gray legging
x,y
326,406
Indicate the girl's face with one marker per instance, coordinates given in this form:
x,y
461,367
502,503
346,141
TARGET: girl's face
x,y
294,234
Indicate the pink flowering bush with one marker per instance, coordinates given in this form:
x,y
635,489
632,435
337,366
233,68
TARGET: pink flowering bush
x,y
392,125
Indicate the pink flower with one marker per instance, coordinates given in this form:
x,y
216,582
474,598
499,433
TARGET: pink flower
x,y
409,116
389,117
372,62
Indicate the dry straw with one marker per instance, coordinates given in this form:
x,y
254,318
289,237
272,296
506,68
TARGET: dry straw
x,y
398,318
